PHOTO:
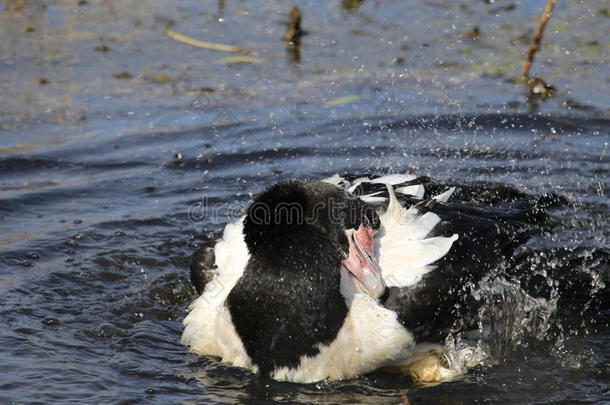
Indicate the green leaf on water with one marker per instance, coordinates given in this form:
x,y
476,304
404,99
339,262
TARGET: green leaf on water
x,y
342,100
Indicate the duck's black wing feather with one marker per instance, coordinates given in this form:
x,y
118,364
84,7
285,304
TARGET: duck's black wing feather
x,y
579,277
490,228
369,188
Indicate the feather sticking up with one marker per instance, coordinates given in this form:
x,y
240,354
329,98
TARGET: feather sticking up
x,y
404,251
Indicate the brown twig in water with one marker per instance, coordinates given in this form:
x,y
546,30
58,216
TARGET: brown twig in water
x,y
293,28
535,46
293,34
206,45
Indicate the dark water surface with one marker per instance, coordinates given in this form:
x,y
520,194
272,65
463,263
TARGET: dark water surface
x,y
96,242
107,185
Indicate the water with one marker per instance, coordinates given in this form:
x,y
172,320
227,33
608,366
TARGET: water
x,y
96,243
107,186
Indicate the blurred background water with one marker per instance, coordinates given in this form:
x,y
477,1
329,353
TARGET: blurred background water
x,y
122,149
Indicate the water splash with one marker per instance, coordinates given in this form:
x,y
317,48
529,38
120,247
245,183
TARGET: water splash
x,y
509,318
461,354
571,356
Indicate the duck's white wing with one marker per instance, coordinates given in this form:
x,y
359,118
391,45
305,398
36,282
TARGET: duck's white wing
x,y
395,179
415,190
403,249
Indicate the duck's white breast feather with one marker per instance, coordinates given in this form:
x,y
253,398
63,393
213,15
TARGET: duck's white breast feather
x,y
208,326
371,337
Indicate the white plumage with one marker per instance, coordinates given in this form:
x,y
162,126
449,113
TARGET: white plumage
x,y
403,250
208,329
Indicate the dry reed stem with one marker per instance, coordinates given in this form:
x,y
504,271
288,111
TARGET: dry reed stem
x,y
535,45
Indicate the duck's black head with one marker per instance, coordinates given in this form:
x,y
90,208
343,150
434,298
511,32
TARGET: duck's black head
x,y
301,236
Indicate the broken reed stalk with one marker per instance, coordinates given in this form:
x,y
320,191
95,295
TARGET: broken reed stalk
x,y
293,28
206,45
535,46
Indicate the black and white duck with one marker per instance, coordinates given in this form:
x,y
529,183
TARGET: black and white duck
x,y
337,278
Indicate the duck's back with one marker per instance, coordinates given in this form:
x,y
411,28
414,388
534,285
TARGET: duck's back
x,y
492,221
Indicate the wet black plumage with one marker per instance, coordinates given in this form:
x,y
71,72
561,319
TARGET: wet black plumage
x,y
288,300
